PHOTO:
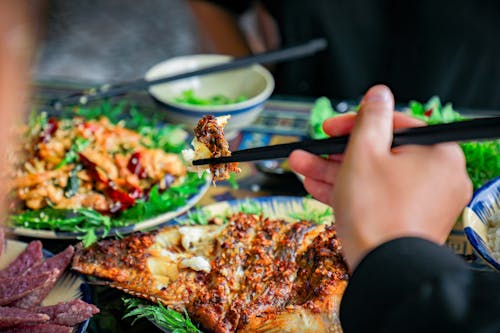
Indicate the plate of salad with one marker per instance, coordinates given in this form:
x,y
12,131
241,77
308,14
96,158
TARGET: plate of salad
x,y
482,160
90,172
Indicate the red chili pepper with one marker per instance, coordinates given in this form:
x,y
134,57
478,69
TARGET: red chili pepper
x,y
134,165
121,200
49,130
428,112
118,196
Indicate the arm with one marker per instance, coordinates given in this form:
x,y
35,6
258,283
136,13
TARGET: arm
x,y
219,29
413,285
17,45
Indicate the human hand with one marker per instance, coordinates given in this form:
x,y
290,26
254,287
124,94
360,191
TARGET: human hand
x,y
378,193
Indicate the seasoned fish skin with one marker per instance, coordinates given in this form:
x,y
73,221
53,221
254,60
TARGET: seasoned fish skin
x,y
266,275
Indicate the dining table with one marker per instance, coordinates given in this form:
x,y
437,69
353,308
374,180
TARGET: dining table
x,y
283,119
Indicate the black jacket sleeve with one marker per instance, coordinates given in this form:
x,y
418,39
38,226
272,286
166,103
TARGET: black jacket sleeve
x,y
413,285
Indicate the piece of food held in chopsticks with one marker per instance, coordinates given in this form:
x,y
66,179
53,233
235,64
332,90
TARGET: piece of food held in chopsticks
x,y
251,274
209,142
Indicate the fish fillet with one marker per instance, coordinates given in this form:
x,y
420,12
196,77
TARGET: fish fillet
x,y
252,274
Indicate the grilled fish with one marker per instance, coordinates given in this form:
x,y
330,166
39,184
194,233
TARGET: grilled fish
x,y
252,274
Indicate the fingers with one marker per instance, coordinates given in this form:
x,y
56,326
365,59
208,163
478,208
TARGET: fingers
x,y
343,124
314,167
319,190
339,125
372,131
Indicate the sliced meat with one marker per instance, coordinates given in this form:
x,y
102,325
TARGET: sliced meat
x,y
14,316
30,257
56,264
12,289
68,313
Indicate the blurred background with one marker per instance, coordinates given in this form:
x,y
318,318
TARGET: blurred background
x,y
101,41
114,40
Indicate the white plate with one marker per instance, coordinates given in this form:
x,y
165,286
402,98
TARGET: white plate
x,y
69,286
154,222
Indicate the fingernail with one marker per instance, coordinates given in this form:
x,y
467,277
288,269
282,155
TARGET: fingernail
x,y
378,94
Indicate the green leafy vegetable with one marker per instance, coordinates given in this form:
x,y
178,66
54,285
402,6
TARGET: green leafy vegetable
x,y
321,111
482,158
189,97
164,317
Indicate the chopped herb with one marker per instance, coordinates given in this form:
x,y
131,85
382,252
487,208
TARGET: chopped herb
x,y
73,182
72,155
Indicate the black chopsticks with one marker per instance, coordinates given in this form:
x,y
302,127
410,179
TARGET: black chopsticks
x,y
467,130
293,52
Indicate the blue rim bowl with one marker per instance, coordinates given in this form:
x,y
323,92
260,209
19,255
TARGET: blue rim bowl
x,y
483,208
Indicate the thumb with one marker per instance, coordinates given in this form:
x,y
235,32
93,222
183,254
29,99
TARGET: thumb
x,y
373,127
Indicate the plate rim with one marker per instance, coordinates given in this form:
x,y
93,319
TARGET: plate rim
x,y
156,221
479,245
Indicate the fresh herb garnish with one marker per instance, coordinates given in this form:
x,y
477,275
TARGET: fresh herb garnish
x,y
165,318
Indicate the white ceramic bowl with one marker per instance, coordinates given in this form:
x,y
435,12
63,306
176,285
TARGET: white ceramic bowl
x,y
255,83
479,218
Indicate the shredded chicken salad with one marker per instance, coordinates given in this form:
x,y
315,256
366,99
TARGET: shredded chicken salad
x,y
92,171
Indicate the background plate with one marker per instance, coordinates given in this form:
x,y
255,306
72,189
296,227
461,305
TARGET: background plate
x,y
68,287
154,222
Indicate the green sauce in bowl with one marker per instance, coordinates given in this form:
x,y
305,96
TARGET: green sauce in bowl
x,y
189,97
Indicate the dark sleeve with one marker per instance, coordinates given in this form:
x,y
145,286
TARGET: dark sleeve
x,y
413,285
237,7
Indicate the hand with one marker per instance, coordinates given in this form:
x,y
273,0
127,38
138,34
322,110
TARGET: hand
x,y
378,193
